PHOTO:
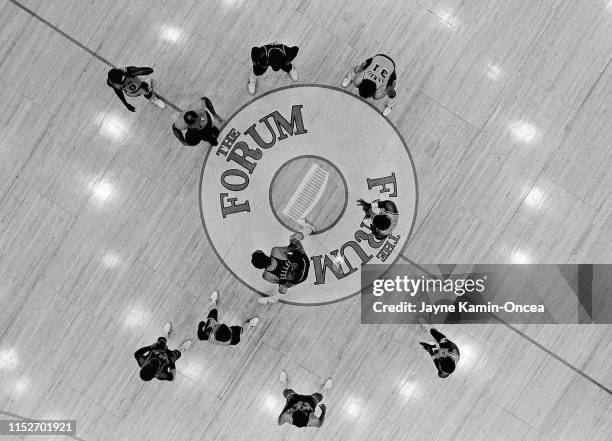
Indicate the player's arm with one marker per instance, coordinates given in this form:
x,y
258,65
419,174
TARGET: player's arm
x,y
258,56
291,52
142,352
270,277
133,71
178,134
209,106
282,252
296,245
390,89
168,375
363,66
366,206
284,418
119,93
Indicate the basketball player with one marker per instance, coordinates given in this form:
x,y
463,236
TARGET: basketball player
x,y
219,333
375,78
126,81
383,215
275,55
300,409
445,353
157,361
197,123
286,266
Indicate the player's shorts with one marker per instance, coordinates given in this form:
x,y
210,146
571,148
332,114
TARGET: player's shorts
x,y
304,263
142,90
260,69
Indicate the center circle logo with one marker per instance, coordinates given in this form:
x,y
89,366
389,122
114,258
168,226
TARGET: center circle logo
x,y
307,152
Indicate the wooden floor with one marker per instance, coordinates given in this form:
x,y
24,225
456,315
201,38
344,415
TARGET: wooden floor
x,y
506,107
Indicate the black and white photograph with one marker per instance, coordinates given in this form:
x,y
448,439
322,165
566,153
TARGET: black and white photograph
x,y
306,220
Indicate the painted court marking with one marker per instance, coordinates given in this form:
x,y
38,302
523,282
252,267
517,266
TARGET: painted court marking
x,y
308,193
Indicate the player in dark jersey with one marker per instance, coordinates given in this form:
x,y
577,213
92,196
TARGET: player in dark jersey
x,y
286,266
445,353
375,78
299,410
219,333
383,217
157,361
198,124
126,81
274,55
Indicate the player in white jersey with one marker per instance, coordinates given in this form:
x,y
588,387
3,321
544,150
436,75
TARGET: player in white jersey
x,y
374,78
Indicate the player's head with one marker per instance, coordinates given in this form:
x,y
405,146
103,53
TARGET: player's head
x,y
193,137
447,366
116,76
276,59
300,418
367,89
381,222
149,370
190,117
260,260
223,333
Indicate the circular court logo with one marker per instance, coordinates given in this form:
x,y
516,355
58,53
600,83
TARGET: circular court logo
x,y
307,152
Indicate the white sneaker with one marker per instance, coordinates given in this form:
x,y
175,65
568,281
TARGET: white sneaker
x,y
307,227
387,110
267,300
251,86
293,74
214,298
253,322
185,345
348,79
327,385
167,330
282,378
159,103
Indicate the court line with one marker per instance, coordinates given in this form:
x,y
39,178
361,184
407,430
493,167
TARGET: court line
x,y
525,336
81,45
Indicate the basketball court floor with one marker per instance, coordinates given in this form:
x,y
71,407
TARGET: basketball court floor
x,y
500,143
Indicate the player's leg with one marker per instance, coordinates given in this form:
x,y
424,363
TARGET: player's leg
x,y
325,387
290,69
210,134
257,72
150,95
184,346
248,324
388,106
349,77
212,317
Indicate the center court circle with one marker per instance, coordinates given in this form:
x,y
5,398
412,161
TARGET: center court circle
x,y
306,182
307,151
